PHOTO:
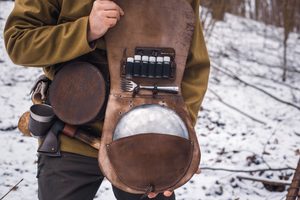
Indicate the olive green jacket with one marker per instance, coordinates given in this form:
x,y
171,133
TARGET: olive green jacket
x,y
44,33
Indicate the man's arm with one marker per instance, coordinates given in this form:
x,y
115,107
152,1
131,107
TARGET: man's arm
x,y
33,38
195,79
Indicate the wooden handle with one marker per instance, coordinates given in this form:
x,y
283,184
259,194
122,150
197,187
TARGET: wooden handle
x,y
68,130
88,139
74,132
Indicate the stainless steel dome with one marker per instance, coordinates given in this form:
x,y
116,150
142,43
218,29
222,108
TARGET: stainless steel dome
x,y
151,118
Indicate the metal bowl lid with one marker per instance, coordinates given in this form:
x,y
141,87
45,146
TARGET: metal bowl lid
x,y
150,118
78,93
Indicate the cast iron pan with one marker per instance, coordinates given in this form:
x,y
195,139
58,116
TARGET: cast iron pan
x,y
77,93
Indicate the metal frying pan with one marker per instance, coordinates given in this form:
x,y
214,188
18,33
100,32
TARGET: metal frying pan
x,y
78,93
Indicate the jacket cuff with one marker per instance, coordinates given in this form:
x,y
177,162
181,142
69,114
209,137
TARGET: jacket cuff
x,y
83,44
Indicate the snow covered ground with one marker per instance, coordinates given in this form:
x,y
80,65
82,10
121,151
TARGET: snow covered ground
x,y
228,138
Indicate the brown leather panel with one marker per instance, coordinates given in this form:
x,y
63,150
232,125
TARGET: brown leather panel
x,y
119,105
77,93
150,23
147,23
150,160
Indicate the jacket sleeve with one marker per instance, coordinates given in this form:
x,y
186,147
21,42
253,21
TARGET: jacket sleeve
x,y
33,37
195,78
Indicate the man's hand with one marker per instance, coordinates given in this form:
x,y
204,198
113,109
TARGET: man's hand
x,y
152,195
104,15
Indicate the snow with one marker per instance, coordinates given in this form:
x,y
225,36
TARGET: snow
x,y
228,139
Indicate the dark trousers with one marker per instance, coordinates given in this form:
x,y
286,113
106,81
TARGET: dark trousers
x,y
75,177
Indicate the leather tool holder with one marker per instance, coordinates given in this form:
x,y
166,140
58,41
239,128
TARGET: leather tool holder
x,y
151,71
152,161
50,145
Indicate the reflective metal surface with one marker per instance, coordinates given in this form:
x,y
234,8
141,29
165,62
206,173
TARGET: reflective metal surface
x,y
150,119
42,112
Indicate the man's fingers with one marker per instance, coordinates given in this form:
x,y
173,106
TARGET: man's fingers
x,y
112,14
168,193
109,5
198,171
152,195
111,21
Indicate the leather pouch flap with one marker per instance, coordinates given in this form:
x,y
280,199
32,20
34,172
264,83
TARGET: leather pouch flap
x,y
150,162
